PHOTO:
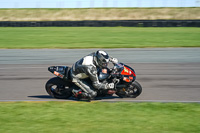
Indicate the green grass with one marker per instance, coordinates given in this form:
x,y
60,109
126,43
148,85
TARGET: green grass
x,y
99,117
98,37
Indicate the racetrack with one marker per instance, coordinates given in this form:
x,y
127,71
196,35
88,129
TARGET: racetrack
x,y
166,74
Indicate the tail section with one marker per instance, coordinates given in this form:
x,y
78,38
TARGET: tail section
x,y
62,72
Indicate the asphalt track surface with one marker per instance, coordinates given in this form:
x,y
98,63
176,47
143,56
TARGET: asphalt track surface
x,y
166,74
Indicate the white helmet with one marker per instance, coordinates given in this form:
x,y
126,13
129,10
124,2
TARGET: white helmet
x,y
102,58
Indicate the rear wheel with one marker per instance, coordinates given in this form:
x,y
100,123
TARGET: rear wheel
x,y
58,88
134,90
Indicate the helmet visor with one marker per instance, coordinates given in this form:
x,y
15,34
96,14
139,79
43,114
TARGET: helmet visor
x,y
104,63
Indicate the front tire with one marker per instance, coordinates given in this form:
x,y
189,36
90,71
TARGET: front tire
x,y
133,91
58,88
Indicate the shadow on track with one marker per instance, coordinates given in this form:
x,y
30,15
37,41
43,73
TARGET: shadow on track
x,y
41,96
73,98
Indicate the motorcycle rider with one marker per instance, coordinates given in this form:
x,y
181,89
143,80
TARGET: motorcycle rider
x,y
87,67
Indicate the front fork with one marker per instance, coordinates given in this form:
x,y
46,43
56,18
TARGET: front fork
x,y
124,89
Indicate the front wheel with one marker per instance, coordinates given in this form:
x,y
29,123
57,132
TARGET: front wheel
x,y
58,88
134,90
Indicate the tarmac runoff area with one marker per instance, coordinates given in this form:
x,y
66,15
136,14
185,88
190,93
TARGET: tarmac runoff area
x,y
166,74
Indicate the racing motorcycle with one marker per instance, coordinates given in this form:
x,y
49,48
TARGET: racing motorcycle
x,y
123,77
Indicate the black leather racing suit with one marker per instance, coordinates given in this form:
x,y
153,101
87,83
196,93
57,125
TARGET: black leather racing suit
x,y
86,68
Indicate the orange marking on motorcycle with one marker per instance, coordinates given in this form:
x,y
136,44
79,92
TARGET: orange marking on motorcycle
x,y
126,79
58,74
130,77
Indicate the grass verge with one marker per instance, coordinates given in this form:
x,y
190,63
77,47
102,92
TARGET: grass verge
x,y
99,117
63,14
97,37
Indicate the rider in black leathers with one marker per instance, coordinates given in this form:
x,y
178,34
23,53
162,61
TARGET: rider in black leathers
x,y
87,67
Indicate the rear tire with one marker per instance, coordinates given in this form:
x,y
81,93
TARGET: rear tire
x,y
58,88
133,91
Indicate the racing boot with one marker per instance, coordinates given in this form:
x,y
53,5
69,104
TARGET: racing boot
x,y
90,96
77,92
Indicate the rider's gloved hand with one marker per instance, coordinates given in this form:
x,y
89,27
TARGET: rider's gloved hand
x,y
110,86
114,60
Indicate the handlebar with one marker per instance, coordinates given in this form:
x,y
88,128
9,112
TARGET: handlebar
x,y
117,69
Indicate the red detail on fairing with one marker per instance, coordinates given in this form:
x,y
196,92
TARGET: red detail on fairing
x,y
128,72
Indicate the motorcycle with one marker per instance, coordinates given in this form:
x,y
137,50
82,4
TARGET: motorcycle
x,y
123,77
